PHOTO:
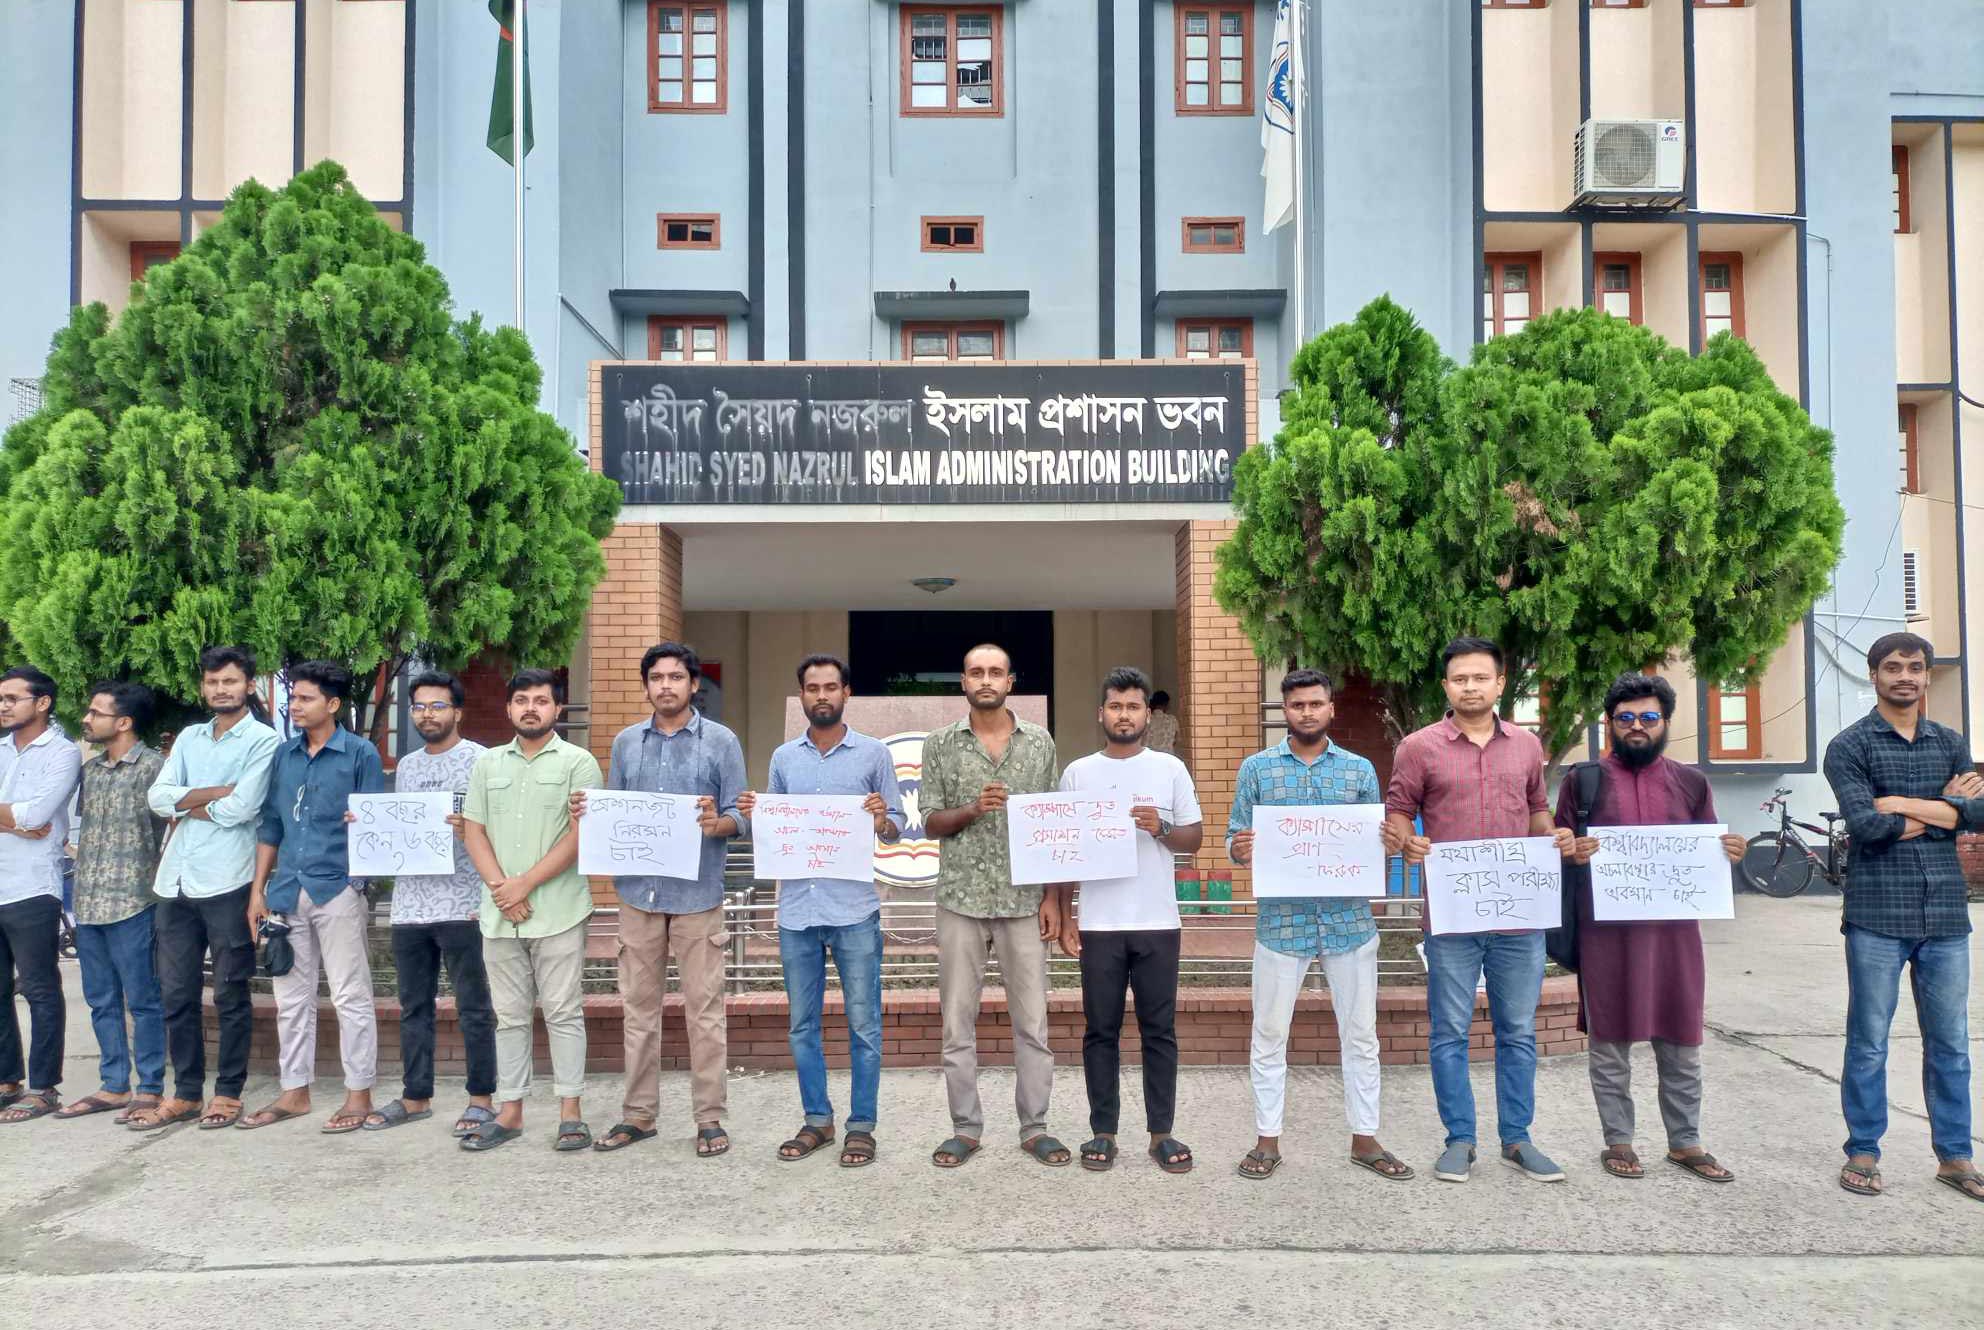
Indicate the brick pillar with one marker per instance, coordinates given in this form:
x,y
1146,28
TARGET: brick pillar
x,y
637,603
1219,707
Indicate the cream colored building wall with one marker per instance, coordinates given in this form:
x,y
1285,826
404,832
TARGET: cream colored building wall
x,y
1636,66
105,255
1770,302
1929,519
245,126
1529,105
1664,280
131,64
1973,548
366,109
1967,185
1780,699
1685,745
1087,645
774,643
1775,135
723,636
1745,156
1921,271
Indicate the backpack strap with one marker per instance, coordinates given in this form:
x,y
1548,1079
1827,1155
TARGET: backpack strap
x,y
1590,779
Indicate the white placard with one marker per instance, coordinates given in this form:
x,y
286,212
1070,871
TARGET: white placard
x,y
1677,872
636,833
1318,850
812,835
1071,837
400,834
1487,886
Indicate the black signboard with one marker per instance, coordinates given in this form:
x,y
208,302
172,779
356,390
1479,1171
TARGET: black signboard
x,y
1098,433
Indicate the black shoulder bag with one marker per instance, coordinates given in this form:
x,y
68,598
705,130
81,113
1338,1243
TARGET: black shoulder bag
x,y
1560,944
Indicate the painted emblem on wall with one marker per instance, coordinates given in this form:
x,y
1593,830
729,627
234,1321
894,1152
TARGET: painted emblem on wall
x,y
911,861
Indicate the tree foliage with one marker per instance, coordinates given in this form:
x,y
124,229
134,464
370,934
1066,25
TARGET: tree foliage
x,y
1582,493
288,441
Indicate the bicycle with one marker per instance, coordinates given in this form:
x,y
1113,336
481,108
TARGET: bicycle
x,y
1779,863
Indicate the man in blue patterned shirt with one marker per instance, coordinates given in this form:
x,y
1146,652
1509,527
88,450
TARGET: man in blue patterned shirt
x,y
1306,768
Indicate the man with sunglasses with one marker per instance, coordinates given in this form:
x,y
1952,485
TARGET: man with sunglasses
x,y
1642,981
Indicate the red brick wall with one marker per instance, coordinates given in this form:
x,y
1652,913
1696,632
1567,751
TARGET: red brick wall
x,y
1219,694
1214,1028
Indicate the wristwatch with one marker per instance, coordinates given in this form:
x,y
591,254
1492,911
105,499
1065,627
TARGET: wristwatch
x,y
1163,828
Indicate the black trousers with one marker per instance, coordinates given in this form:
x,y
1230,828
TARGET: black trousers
x,y
189,931
420,950
1146,964
30,933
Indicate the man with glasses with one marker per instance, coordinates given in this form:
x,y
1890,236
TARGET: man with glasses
x,y
1642,981
302,872
435,924
211,789
38,772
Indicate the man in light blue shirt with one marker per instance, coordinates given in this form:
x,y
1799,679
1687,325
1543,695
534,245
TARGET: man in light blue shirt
x,y
821,915
39,769
678,750
211,789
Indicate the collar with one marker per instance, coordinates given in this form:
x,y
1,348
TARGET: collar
x,y
515,747
694,727
1449,730
339,741
1283,749
138,750
1877,721
48,735
847,740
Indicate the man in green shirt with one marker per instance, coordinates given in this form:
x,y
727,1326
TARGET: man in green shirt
x,y
520,834
969,769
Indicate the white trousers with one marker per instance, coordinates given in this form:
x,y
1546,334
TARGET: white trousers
x,y
1353,980
328,940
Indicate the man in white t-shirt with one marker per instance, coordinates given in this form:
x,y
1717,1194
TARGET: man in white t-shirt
x,y
1126,933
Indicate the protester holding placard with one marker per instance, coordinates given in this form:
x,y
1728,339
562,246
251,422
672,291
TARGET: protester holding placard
x,y
677,750
1336,932
434,922
1471,776
1642,981
818,916
969,769
1126,931
302,874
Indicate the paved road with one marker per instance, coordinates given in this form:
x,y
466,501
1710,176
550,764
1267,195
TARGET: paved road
x,y
287,1228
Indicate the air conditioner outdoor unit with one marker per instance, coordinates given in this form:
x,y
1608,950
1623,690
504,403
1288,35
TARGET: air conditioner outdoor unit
x,y
1629,164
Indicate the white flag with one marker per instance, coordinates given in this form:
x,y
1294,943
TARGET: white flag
x,y
1278,127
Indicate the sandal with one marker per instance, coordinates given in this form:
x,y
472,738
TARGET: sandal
x,y
216,1118
31,1106
1701,1165
711,1141
573,1134
340,1122
1099,1155
858,1149
489,1135
472,1117
153,1117
1386,1165
1621,1161
809,1139
392,1115
88,1104
1172,1155
269,1116
1047,1150
623,1134
1868,1175
1963,1182
954,1152
139,1103
1259,1165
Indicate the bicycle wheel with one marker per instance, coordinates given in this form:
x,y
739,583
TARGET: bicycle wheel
x,y
1776,865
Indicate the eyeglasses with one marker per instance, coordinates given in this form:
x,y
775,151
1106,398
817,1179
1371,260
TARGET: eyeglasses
x,y
1646,718
422,708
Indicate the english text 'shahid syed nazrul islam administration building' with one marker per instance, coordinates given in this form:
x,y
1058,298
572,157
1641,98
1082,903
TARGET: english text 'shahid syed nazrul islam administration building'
x,y
1018,248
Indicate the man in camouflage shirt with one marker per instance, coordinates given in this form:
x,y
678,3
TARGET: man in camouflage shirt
x,y
970,767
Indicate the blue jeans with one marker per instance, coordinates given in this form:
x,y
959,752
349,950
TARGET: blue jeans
x,y
1513,963
118,976
857,952
1939,971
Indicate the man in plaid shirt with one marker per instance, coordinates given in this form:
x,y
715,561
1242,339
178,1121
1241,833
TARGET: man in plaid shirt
x,y
1906,786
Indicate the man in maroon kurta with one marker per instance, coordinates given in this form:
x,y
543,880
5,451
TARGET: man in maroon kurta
x,y
1642,982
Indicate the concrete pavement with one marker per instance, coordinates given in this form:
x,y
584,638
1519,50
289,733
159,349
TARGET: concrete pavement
x,y
292,1228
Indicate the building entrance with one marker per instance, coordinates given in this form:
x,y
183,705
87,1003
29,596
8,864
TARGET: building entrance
x,y
911,653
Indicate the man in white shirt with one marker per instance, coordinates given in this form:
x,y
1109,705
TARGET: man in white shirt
x,y
1126,933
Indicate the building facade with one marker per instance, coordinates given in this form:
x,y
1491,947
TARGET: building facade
x,y
1054,188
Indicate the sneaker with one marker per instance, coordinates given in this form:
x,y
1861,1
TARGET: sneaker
x,y
1454,1162
1526,1158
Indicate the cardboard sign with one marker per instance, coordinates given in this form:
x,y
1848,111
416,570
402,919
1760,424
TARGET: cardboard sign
x,y
812,835
1071,837
400,833
1677,872
1489,886
1318,850
633,833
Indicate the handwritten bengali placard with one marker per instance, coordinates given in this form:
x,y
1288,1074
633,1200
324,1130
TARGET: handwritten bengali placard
x,y
1318,850
1677,872
1071,837
398,834
1485,886
635,833
812,835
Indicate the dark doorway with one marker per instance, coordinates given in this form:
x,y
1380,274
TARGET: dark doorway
x,y
896,653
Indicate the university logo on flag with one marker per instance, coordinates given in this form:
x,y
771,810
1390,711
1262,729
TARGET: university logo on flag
x,y
1278,127
1278,108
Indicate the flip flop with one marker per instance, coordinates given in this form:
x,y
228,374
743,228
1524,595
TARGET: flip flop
x,y
489,1135
221,1118
957,1149
1868,1175
474,1115
1955,1182
1621,1155
1696,1164
572,1135
1264,1165
88,1104
393,1115
331,1129
1404,1171
623,1134
186,1114
272,1113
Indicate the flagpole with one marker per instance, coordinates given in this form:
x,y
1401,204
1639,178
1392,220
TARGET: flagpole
x,y
1299,100
518,111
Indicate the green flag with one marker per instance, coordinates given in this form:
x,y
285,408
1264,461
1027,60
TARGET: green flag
x,y
502,115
